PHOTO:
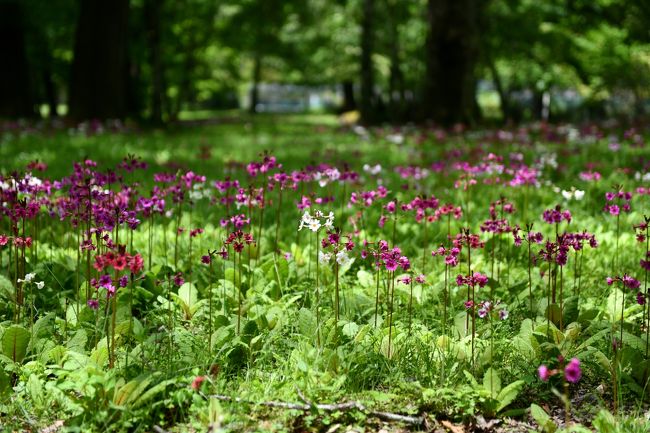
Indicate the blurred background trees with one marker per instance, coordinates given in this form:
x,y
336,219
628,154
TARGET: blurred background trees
x,y
445,61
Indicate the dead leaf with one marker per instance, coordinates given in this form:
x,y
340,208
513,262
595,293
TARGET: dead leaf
x,y
453,428
52,428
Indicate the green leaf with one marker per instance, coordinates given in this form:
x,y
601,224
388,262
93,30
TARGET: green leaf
x,y
605,422
5,382
78,341
35,387
492,382
554,313
306,322
99,356
152,392
542,419
350,329
365,279
188,293
14,342
509,394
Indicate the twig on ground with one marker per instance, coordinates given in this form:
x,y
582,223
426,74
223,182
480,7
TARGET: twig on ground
x,y
350,405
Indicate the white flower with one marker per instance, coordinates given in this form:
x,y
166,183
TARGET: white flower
x,y
314,225
372,169
342,258
29,277
567,194
304,220
578,194
324,258
329,222
40,285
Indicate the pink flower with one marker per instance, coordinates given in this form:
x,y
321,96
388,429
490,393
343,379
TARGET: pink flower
x,y
544,373
572,371
196,383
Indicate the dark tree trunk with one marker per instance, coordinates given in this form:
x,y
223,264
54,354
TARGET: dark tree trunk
x,y
98,86
15,95
396,80
452,50
257,76
367,72
50,90
349,103
152,11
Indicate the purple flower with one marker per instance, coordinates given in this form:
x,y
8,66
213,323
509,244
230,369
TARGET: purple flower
x,y
640,298
123,281
93,303
206,260
572,371
105,281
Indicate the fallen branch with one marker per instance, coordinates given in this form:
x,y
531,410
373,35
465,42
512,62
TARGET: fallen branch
x,y
307,406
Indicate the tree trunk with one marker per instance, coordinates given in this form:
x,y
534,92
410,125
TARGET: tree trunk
x,y
452,50
98,87
396,80
152,11
367,72
50,90
349,103
15,94
257,76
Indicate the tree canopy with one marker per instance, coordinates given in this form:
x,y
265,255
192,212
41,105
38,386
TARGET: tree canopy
x,y
421,60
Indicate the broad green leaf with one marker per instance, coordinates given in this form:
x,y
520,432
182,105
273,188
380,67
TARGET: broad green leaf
x,y
542,419
5,382
14,343
35,387
78,341
492,382
122,393
509,394
99,356
152,392
188,293
350,329
306,322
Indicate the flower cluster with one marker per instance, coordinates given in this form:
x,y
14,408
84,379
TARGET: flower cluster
x,y
392,258
556,215
485,308
238,239
572,372
238,221
29,278
451,254
473,280
318,220
118,261
622,202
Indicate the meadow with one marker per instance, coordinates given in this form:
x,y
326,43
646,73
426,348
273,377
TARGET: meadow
x,y
286,273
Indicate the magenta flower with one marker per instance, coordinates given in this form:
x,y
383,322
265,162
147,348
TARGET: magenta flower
x,y
572,371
